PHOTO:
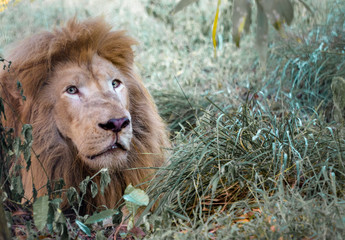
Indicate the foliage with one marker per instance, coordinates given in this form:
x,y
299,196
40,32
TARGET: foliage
x,y
46,213
134,198
233,162
278,11
304,64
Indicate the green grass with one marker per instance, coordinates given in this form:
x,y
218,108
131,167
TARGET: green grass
x,y
256,152
306,61
233,162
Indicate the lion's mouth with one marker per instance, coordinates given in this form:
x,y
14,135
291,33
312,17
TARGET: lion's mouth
x,y
108,150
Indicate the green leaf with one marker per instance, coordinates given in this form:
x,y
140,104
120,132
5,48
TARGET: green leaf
x,y
27,157
16,188
100,236
241,19
26,147
98,217
19,85
16,146
105,179
136,196
181,5
55,203
60,225
94,189
27,133
134,199
41,208
117,218
178,214
83,184
72,195
83,227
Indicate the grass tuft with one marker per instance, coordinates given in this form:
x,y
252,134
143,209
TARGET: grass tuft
x,y
179,109
308,60
234,162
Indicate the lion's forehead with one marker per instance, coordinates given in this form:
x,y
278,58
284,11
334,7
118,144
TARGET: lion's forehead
x,y
99,71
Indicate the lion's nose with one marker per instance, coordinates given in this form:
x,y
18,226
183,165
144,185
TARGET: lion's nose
x,y
115,125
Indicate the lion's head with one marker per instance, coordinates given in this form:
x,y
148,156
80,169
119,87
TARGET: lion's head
x,y
91,109
88,108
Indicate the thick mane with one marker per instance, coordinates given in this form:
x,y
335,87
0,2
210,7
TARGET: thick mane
x,y
34,61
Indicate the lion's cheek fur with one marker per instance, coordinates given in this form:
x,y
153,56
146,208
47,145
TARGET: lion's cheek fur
x,y
64,122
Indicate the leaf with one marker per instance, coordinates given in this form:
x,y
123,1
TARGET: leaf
x,y
16,146
55,203
105,179
279,11
16,188
117,218
41,209
83,184
19,85
178,215
136,196
72,195
59,184
2,109
60,224
100,236
98,217
27,157
181,5
27,133
261,32
83,227
130,223
26,147
214,29
94,189
241,19
285,8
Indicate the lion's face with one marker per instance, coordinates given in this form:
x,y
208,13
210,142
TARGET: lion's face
x,y
91,110
87,107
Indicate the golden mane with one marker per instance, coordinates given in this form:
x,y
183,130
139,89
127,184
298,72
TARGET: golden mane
x,y
34,61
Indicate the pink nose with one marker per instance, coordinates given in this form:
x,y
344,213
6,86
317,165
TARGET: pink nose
x,y
115,125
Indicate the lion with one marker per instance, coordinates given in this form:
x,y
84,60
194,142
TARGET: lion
x,y
88,108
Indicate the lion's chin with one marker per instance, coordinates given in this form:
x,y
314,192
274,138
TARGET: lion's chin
x,y
113,148
113,159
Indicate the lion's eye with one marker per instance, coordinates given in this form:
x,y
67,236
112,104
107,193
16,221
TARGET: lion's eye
x,y
72,90
116,83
